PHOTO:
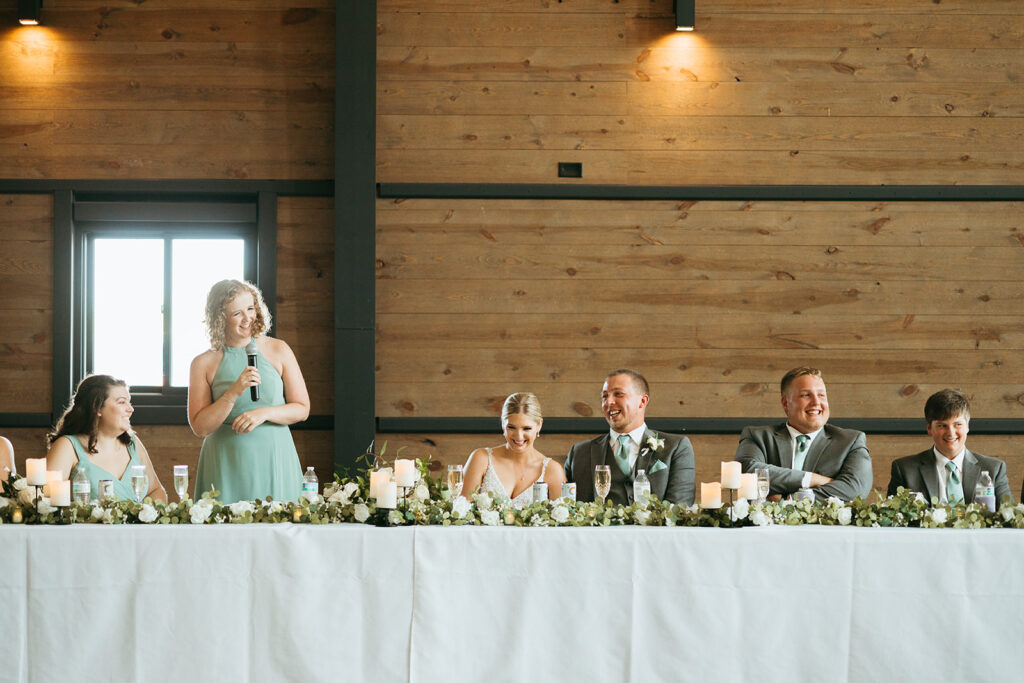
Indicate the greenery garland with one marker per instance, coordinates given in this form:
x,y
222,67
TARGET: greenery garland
x,y
346,500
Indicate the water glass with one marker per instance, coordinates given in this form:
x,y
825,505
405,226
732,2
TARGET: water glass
x,y
181,481
602,481
455,480
140,482
106,489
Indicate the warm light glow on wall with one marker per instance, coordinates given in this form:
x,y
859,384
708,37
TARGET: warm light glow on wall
x,y
28,54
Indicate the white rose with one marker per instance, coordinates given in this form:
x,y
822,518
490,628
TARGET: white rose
x,y
331,489
460,507
4,502
1007,513
20,484
200,513
421,492
108,516
25,496
396,517
97,513
275,506
642,516
240,508
845,515
740,509
350,489
147,515
490,517
483,501
939,515
44,506
560,514
361,513
759,518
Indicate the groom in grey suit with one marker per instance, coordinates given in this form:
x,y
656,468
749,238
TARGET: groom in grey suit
x,y
947,416
667,458
804,451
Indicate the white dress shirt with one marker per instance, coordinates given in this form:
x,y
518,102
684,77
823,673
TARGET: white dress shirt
x,y
806,481
940,467
633,445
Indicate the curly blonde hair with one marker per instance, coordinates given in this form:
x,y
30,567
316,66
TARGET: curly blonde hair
x,y
218,298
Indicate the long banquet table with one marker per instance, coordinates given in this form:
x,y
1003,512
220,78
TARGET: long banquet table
x,y
356,603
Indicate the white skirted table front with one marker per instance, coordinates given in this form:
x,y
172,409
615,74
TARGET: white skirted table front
x,y
356,603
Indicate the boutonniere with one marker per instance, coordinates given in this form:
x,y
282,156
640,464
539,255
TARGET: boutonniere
x,y
655,444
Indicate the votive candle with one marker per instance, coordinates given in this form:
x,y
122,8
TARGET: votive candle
x,y
731,475
748,486
35,471
711,495
405,473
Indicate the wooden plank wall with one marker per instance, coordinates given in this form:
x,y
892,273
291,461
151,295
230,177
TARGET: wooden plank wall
x,y
712,300
182,89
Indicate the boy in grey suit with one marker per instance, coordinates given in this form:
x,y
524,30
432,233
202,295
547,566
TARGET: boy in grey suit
x,y
630,446
947,416
806,452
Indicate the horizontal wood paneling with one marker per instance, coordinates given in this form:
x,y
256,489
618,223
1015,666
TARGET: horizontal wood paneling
x,y
305,292
26,303
156,90
762,93
709,450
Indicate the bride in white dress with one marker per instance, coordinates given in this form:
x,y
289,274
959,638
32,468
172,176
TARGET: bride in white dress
x,y
508,472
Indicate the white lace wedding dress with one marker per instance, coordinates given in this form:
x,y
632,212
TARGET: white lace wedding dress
x,y
492,484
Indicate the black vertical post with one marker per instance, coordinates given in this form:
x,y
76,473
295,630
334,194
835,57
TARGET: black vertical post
x,y
355,107
266,250
64,291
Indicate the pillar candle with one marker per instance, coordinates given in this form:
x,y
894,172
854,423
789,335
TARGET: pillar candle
x,y
377,481
748,486
388,496
35,471
711,495
60,493
731,475
51,476
405,473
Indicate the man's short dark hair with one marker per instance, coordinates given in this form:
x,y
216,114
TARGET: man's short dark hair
x,y
945,404
639,381
788,378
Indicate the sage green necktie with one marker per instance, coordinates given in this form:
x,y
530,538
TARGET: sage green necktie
x,y
622,455
801,451
954,487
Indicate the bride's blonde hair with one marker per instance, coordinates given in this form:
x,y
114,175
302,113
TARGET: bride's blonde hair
x,y
521,402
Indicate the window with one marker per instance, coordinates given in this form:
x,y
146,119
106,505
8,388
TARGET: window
x,y
141,270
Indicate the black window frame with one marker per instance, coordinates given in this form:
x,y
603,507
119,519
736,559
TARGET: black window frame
x,y
81,217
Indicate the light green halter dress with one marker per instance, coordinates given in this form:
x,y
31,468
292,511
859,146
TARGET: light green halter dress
x,y
258,464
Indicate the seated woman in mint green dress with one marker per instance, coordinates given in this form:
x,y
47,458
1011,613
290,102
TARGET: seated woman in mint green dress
x,y
94,433
248,452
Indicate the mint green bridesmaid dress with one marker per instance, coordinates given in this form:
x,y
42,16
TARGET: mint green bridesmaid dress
x,y
258,464
122,486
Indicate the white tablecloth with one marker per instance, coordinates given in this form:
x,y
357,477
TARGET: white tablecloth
x,y
347,602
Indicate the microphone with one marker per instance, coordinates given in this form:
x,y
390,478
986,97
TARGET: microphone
x,y
250,351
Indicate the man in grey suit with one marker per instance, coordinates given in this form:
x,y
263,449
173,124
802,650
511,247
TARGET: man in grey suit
x,y
805,452
630,446
948,470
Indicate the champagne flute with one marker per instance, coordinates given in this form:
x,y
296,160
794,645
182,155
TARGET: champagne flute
x,y
763,484
602,481
181,480
140,482
455,480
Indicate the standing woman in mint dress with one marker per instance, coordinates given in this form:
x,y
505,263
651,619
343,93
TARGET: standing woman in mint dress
x,y
248,452
94,433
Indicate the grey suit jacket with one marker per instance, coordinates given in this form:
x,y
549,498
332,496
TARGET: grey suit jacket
x,y
673,483
841,454
917,473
